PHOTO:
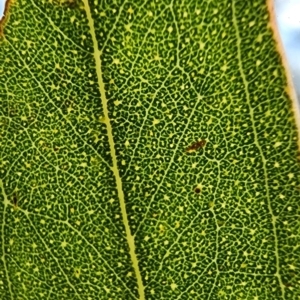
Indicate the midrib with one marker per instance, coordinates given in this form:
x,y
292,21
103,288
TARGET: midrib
x,y
130,238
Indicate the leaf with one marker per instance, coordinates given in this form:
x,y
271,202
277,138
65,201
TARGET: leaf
x,y
148,151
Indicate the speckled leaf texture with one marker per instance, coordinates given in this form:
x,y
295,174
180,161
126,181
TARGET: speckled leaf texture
x,y
148,150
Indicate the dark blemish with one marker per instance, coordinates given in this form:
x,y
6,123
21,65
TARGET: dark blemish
x,y
15,200
72,4
195,146
286,284
197,190
5,16
68,3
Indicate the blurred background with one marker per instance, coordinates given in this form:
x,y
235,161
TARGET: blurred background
x,y
288,20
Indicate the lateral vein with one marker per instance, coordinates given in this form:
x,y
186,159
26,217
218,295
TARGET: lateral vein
x,y
273,217
6,201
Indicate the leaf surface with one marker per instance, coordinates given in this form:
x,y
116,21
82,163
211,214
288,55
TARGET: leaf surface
x,y
148,151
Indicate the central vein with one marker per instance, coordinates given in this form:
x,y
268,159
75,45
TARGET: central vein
x,y
130,238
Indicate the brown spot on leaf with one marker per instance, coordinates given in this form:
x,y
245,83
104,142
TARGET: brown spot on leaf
x,y
197,190
287,284
195,146
67,3
15,200
72,3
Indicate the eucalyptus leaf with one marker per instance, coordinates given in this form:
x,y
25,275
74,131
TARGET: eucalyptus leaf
x,y
148,150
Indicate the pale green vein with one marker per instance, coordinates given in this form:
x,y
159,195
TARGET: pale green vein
x,y
61,170
130,238
57,108
5,203
54,258
167,169
148,109
176,242
57,28
114,25
245,82
217,237
66,222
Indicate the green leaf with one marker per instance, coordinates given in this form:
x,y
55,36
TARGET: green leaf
x,y
148,151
